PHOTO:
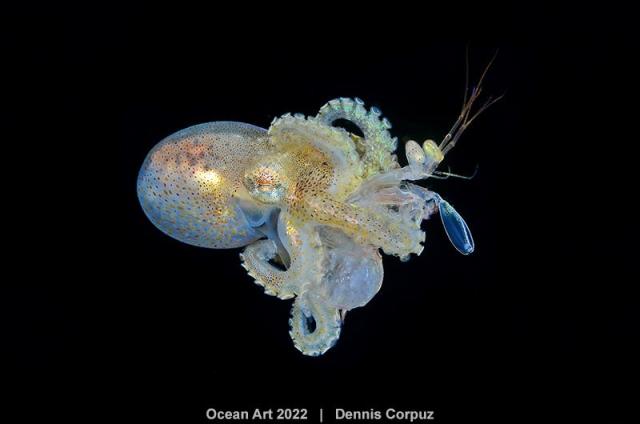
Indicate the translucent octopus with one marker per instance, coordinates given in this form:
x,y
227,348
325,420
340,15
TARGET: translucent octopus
x,y
312,203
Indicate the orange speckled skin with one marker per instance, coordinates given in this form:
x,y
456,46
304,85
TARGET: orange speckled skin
x,y
188,180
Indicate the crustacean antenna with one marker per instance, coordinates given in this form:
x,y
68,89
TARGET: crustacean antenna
x,y
443,175
466,118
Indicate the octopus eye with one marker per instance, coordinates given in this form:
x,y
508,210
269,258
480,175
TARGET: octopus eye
x,y
265,183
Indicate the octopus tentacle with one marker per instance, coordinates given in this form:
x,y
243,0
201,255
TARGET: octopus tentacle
x,y
289,132
310,310
378,145
255,259
304,254
392,232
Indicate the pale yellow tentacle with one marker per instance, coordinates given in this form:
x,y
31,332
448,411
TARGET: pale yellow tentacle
x,y
255,259
310,309
395,235
305,252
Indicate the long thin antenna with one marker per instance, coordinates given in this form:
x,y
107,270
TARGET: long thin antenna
x,y
465,118
466,75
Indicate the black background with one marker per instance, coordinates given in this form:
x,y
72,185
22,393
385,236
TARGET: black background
x,y
108,317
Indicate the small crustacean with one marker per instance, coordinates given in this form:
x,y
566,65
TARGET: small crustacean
x,y
312,203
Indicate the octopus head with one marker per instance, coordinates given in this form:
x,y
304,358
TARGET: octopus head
x,y
267,181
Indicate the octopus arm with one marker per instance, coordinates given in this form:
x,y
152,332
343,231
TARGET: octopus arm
x,y
378,145
302,249
256,260
288,133
315,326
370,224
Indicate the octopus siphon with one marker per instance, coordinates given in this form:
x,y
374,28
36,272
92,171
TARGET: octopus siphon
x,y
312,204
